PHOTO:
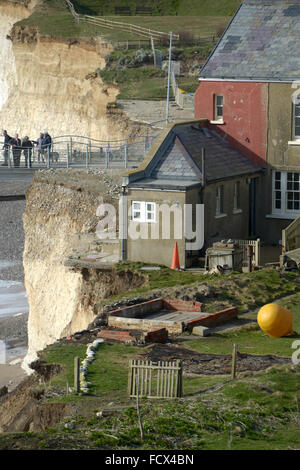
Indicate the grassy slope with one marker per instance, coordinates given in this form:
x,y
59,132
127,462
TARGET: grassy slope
x,y
52,17
161,7
256,411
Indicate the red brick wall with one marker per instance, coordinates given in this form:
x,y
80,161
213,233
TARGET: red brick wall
x,y
184,305
215,319
245,115
138,310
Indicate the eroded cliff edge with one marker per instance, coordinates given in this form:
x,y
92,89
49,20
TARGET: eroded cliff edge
x,y
60,209
51,83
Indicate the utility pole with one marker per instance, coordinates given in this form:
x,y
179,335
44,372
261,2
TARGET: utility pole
x,y
169,78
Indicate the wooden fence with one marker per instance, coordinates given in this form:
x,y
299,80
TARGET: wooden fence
x,y
155,379
256,250
127,27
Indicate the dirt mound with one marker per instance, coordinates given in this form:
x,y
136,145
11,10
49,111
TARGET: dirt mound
x,y
213,364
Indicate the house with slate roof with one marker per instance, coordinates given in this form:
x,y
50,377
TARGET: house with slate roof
x,y
249,91
188,165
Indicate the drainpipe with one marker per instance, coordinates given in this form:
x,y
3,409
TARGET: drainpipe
x,y
169,78
123,223
203,166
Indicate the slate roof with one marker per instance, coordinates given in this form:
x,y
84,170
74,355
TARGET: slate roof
x,y
179,163
221,160
262,42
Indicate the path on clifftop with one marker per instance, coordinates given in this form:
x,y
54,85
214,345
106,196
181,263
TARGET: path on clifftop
x,y
149,112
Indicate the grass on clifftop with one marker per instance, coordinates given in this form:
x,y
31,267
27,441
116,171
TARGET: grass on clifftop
x,y
245,291
160,7
53,18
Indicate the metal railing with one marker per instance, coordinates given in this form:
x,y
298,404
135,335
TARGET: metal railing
x,y
79,151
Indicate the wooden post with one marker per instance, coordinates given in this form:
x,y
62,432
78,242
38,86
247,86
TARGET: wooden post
x,y
76,374
233,367
138,406
179,364
249,252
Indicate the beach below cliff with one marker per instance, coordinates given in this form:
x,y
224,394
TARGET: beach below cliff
x,y
13,301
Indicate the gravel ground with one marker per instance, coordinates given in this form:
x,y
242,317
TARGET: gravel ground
x,y
11,233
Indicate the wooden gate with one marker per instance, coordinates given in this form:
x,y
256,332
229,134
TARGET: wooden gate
x,y
155,379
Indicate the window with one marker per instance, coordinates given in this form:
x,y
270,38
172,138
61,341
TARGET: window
x,y
150,211
297,121
237,196
143,211
137,211
219,200
219,107
292,202
286,192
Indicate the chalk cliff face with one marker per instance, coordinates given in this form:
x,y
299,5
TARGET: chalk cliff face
x,y
51,84
62,300
10,13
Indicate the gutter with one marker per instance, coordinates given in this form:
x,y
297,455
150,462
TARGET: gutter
x,y
249,80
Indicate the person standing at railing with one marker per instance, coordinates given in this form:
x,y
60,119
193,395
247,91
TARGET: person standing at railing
x,y
46,142
27,146
16,150
40,151
7,140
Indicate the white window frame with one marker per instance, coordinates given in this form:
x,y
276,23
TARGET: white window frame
x,y
141,211
150,211
296,107
217,106
282,188
144,211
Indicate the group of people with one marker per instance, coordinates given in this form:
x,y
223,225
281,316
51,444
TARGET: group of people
x,y
25,145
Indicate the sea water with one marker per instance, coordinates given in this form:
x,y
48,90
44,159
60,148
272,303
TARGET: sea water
x,y
13,300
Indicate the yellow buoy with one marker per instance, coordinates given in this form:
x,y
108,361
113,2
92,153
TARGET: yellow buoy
x,y
275,320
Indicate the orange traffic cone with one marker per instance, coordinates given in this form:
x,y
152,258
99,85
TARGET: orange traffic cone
x,y
175,260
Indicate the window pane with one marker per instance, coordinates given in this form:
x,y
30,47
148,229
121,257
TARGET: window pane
x,y
277,185
136,215
278,204
137,205
297,110
219,111
290,205
150,206
278,175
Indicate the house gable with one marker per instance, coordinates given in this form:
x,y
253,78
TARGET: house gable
x,y
176,163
